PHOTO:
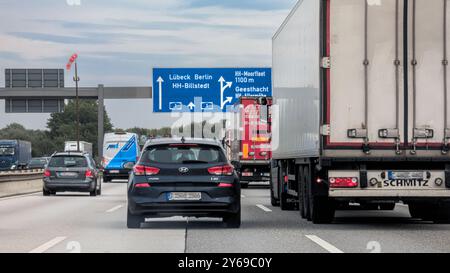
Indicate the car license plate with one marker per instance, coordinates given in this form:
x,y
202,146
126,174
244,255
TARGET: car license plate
x,y
68,174
114,171
393,175
184,196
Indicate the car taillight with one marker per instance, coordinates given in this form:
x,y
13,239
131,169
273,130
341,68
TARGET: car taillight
x,y
225,185
140,170
343,182
142,185
89,174
47,173
225,170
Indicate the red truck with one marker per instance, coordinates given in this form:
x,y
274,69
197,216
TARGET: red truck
x,y
249,147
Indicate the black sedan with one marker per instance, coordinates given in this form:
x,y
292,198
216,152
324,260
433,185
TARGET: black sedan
x,y
183,178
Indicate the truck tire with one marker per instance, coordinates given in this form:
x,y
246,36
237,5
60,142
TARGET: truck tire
x,y
307,193
273,201
422,211
134,221
302,200
442,213
322,210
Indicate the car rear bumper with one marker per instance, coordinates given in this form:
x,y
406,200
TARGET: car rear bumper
x,y
206,207
60,186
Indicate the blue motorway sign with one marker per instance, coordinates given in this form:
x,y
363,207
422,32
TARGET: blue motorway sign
x,y
207,89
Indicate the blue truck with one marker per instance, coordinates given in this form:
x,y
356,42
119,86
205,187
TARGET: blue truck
x,y
14,154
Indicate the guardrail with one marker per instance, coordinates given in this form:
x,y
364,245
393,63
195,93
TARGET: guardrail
x,y
20,182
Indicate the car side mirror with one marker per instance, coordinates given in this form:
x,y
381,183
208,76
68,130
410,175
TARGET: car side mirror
x,y
128,166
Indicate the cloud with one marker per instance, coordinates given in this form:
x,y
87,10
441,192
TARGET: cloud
x,y
119,41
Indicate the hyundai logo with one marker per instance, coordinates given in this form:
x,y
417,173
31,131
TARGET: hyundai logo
x,y
183,170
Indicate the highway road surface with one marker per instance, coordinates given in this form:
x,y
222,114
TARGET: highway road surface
x,y
80,223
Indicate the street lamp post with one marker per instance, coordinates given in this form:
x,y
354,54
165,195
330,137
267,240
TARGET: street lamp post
x,y
77,79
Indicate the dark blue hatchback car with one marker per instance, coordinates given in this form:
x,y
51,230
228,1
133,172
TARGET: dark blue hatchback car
x,y
183,178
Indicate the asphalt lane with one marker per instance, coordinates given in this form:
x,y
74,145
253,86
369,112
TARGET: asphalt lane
x,y
80,223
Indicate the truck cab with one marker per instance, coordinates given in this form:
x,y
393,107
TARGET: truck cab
x,y
250,146
14,154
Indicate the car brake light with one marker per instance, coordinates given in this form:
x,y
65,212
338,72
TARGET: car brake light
x,y
343,182
225,170
47,173
225,185
89,174
140,170
142,185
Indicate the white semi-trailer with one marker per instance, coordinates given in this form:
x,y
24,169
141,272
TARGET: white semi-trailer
x,y
362,91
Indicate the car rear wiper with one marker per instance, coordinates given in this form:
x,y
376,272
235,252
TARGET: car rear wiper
x,y
194,162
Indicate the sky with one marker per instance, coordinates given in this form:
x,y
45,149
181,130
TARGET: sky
x,y
120,41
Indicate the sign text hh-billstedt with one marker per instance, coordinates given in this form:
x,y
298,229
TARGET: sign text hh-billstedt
x,y
207,89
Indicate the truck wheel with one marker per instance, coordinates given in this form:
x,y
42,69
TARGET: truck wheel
x,y
302,201
134,221
307,194
442,213
421,211
322,210
275,202
388,206
233,220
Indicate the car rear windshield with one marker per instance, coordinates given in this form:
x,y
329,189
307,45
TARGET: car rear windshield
x,y
185,154
68,161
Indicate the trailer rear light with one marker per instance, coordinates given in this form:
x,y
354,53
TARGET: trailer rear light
x,y
47,173
343,182
286,179
140,170
225,170
142,186
225,185
89,174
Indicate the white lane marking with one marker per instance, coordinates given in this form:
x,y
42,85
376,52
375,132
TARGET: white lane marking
x,y
264,208
114,208
324,244
44,247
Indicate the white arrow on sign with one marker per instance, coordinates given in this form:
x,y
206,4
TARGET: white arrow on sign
x,y
160,81
191,106
224,85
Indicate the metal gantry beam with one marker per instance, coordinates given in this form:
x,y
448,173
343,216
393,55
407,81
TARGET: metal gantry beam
x,y
99,93
84,92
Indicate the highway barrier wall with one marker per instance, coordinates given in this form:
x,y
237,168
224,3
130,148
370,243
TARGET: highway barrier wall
x,y
20,182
